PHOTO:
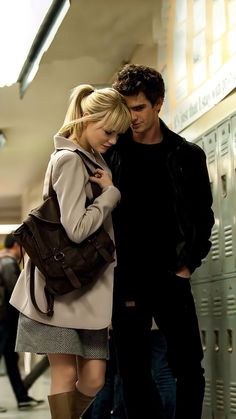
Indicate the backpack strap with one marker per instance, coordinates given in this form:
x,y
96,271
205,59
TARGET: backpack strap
x,y
49,297
96,190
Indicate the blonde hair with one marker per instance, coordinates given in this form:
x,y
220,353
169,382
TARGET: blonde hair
x,y
107,104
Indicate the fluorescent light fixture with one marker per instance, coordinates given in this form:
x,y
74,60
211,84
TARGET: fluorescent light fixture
x,y
42,42
8,228
2,140
27,29
20,22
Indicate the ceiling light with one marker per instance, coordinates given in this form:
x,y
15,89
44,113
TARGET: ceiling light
x,y
27,29
42,42
20,23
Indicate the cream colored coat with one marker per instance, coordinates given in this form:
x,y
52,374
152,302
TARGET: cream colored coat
x,y
71,183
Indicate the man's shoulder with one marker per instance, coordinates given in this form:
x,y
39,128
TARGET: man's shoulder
x,y
7,259
177,138
193,149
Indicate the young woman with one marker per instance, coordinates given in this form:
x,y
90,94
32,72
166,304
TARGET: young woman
x,y
76,337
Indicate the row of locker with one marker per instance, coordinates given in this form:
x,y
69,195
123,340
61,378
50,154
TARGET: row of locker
x,y
216,309
214,284
219,145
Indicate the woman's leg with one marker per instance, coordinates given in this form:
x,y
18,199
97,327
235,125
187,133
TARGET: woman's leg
x,y
70,398
63,372
63,400
91,373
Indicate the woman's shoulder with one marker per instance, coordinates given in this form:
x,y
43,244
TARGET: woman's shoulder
x,y
66,157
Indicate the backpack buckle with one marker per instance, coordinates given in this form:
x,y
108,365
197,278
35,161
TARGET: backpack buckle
x,y
59,256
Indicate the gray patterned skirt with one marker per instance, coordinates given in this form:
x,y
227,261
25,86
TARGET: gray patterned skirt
x,y
40,338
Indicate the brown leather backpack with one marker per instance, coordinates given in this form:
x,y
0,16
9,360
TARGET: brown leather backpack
x,y
65,265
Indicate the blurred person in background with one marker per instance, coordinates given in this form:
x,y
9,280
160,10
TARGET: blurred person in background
x,y
9,273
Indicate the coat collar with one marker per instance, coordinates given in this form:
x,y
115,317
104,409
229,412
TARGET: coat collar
x,y
62,143
172,140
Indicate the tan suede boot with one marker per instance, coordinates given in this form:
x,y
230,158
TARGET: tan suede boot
x,y
63,405
70,405
83,402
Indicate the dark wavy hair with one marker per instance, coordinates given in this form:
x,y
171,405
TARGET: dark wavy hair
x,y
9,241
133,79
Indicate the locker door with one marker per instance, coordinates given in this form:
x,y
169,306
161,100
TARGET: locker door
x,y
219,373
202,297
230,346
226,196
203,272
233,135
210,146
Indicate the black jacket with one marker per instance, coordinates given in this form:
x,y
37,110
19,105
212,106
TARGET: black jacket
x,y
192,198
9,273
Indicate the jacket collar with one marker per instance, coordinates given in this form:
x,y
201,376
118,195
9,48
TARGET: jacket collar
x,y
173,141
62,143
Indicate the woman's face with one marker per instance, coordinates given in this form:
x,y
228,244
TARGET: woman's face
x,y
96,137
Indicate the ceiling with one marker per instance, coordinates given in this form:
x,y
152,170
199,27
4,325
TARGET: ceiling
x,y
94,39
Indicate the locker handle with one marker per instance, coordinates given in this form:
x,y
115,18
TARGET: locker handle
x,y
216,345
211,186
204,338
230,340
224,185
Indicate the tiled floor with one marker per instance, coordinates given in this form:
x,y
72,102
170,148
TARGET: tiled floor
x,y
39,390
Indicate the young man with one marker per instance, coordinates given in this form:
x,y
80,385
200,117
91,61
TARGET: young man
x,y
9,272
162,224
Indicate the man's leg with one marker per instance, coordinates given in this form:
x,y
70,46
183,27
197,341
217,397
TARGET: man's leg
x,y
131,328
11,360
162,373
4,331
176,316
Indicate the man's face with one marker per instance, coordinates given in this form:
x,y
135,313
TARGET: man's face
x,y
144,115
17,251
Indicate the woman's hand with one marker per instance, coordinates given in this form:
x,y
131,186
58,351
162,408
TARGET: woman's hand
x,y
183,272
102,178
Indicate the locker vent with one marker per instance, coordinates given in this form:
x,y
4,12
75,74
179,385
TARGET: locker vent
x,y
211,156
207,396
215,249
224,148
217,306
219,395
204,307
228,233
232,397
231,304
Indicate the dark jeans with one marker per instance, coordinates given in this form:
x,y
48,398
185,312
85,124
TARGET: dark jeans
x,y
4,332
172,306
7,349
162,374
110,398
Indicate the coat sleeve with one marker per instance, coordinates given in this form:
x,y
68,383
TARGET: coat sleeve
x,y
70,181
200,214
